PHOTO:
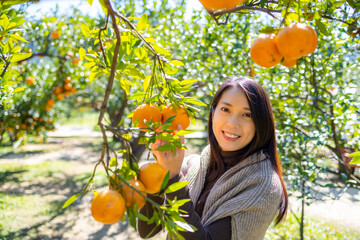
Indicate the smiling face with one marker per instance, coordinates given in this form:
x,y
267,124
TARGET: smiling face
x,y
233,125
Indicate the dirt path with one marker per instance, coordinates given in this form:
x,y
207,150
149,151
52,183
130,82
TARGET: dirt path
x,y
76,222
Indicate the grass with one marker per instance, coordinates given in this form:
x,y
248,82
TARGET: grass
x,y
82,117
315,229
32,195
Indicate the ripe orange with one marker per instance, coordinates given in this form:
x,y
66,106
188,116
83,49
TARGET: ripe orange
x,y
315,39
50,102
146,112
68,80
30,80
108,207
60,96
152,175
221,5
131,196
57,90
55,34
296,40
75,61
289,62
264,52
181,118
67,86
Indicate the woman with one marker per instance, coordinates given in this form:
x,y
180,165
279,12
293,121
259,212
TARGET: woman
x,y
235,186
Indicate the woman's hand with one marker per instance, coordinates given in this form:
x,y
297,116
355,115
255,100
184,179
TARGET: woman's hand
x,y
167,159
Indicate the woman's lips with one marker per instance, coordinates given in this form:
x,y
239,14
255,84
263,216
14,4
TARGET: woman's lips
x,y
230,136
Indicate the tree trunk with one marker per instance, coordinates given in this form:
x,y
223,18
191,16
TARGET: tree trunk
x,y
302,210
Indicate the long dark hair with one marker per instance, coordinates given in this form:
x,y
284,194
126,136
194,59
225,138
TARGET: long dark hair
x,y
264,138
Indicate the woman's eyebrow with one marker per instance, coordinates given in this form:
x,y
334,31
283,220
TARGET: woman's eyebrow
x,y
228,104
225,103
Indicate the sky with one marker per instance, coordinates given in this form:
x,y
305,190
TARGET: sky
x,y
93,10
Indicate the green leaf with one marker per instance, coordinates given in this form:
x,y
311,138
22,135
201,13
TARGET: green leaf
x,y
71,200
49,19
267,29
147,82
85,29
133,72
188,81
142,23
176,186
19,89
113,162
165,181
90,1
194,101
355,156
18,38
125,85
322,28
166,147
127,136
82,53
184,132
143,217
177,63
20,56
160,50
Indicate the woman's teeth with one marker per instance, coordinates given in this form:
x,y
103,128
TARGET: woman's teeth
x,y
231,135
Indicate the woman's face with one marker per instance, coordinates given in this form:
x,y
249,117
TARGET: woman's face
x,y
233,124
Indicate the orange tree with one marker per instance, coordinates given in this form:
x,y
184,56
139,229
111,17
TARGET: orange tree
x,y
50,76
132,58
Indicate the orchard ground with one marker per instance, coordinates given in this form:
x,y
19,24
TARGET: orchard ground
x,y
36,180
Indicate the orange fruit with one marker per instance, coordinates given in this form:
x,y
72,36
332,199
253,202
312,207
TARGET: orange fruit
x,y
75,61
131,196
220,5
108,207
152,175
67,86
296,40
315,39
146,112
50,102
55,34
181,118
60,96
264,52
57,90
289,62
68,80
30,80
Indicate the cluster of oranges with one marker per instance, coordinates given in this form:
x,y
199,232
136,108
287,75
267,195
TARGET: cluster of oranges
x,y
220,5
148,112
60,92
291,43
109,206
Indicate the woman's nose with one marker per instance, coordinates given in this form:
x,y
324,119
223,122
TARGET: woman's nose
x,y
234,122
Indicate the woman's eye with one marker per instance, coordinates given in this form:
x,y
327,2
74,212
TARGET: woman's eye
x,y
224,109
249,115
